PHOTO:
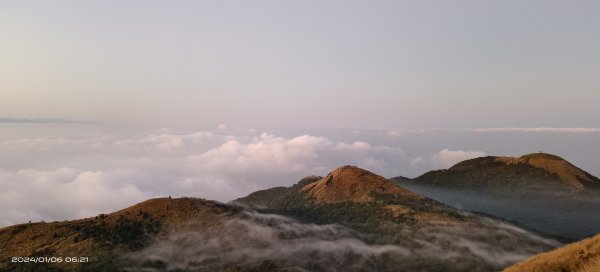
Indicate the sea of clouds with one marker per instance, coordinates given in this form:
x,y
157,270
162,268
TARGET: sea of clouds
x,y
67,172
59,172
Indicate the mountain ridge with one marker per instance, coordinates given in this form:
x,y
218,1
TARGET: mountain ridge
x,y
539,190
350,183
375,224
352,188
531,171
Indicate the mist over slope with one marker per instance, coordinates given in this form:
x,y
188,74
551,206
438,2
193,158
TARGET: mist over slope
x,y
539,190
372,204
351,219
264,242
104,239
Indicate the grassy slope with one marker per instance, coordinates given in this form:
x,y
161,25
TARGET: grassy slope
x,y
582,256
354,197
105,237
508,175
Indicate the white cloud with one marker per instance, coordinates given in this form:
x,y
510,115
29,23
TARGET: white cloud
x,y
446,158
537,129
65,177
394,133
63,193
417,162
354,146
401,132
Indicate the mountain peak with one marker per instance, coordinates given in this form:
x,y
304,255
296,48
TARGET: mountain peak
x,y
348,171
541,156
354,184
569,173
534,169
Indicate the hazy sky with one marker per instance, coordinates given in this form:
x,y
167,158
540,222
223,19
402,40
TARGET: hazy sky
x,y
303,63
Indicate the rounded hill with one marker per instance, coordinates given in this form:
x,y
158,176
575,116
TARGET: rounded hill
x,y
538,171
350,183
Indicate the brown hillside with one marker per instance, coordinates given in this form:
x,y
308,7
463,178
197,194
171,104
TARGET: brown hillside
x,y
336,221
274,196
582,256
368,203
353,184
568,173
541,191
353,195
105,235
534,171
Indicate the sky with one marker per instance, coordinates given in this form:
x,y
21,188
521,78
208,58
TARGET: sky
x,y
217,99
407,64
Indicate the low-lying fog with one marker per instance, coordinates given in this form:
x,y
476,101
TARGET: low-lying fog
x,y
262,241
573,216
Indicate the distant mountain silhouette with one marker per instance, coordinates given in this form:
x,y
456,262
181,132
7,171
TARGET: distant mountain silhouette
x,y
7,120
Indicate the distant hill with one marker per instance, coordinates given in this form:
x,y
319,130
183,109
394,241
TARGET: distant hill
x,y
582,256
540,190
6,120
538,171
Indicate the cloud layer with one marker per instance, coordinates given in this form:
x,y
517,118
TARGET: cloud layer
x,y
537,129
56,177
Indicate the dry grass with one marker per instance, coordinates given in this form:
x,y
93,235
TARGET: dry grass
x,y
90,237
436,219
352,184
582,256
398,210
567,172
